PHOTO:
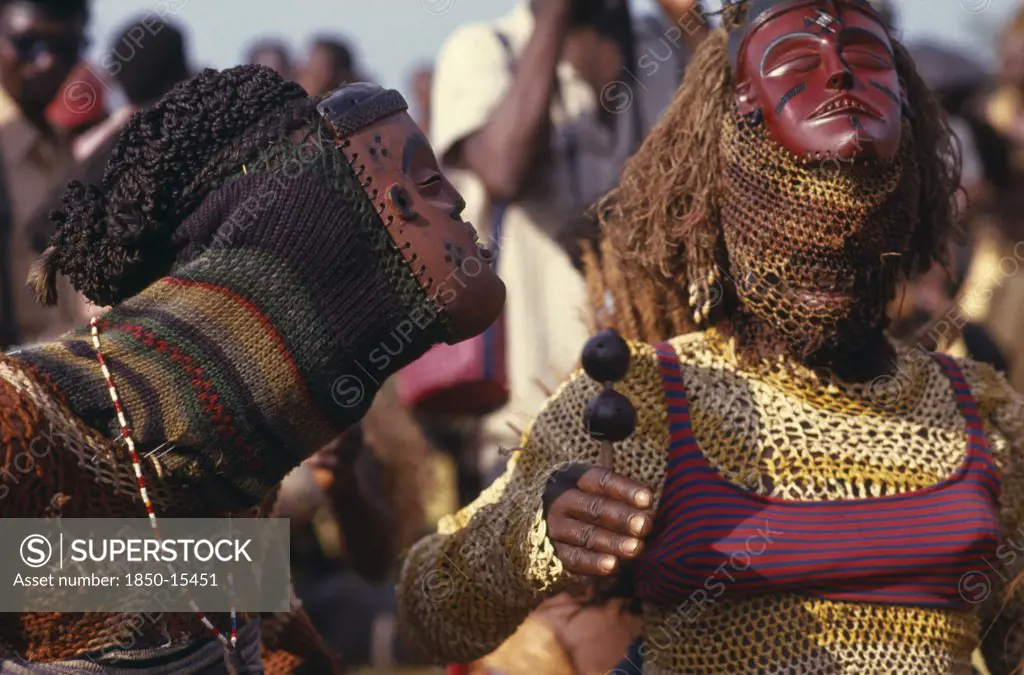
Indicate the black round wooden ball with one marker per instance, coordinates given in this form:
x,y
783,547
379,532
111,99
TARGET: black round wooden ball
x,y
610,416
606,356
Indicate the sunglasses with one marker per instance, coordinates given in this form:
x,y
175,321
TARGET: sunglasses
x,y
31,48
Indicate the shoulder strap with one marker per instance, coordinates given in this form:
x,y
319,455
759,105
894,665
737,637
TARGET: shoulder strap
x,y
965,401
680,428
977,441
952,370
671,374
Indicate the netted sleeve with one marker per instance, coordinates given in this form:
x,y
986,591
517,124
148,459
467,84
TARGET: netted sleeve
x,y
1002,610
466,589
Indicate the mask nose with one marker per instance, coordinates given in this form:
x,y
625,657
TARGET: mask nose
x,y
840,76
840,79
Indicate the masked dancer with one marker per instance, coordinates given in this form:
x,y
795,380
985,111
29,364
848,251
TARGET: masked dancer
x,y
793,491
270,258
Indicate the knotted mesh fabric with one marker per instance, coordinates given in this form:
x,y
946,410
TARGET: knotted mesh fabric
x,y
820,225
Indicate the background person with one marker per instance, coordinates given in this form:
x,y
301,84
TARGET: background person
x,y
155,69
274,55
329,64
41,41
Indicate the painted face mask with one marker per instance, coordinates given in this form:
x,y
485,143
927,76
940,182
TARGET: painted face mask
x,y
823,77
420,208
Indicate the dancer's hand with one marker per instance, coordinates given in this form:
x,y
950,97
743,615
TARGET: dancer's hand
x,y
324,458
596,519
336,461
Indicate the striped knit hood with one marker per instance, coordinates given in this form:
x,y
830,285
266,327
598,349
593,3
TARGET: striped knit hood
x,y
288,309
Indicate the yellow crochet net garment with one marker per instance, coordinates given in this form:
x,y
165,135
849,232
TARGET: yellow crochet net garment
x,y
464,590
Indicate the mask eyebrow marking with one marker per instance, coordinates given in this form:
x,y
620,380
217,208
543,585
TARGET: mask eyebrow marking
x,y
412,144
865,32
887,91
779,40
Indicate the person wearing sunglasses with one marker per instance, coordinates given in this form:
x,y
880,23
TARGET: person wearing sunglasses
x,y
40,44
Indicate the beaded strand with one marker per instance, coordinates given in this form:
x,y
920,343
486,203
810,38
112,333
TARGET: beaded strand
x,y
229,644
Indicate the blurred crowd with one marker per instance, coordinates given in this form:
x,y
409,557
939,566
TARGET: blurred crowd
x,y
533,116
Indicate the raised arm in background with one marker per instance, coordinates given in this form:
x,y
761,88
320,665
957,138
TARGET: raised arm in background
x,y
501,152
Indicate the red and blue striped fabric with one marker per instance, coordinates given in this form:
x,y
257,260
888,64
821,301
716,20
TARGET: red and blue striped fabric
x,y
713,538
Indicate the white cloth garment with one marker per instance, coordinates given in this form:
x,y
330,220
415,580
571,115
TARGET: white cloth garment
x,y
546,309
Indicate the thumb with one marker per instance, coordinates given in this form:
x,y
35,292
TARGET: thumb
x,y
561,481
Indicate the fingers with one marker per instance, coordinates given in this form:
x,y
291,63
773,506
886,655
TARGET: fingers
x,y
600,523
324,478
567,530
603,481
581,561
322,460
618,517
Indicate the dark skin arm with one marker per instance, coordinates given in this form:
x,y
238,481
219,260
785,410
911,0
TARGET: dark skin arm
x,y
368,531
502,151
366,524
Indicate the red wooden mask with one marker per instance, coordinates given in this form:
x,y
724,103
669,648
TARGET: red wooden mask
x,y
419,206
822,75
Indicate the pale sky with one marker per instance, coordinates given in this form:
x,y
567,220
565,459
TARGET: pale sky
x,y
393,36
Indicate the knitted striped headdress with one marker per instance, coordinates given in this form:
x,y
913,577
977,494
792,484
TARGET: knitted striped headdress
x,y
255,288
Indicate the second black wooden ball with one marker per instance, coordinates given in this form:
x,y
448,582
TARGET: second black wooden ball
x,y
606,356
610,416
